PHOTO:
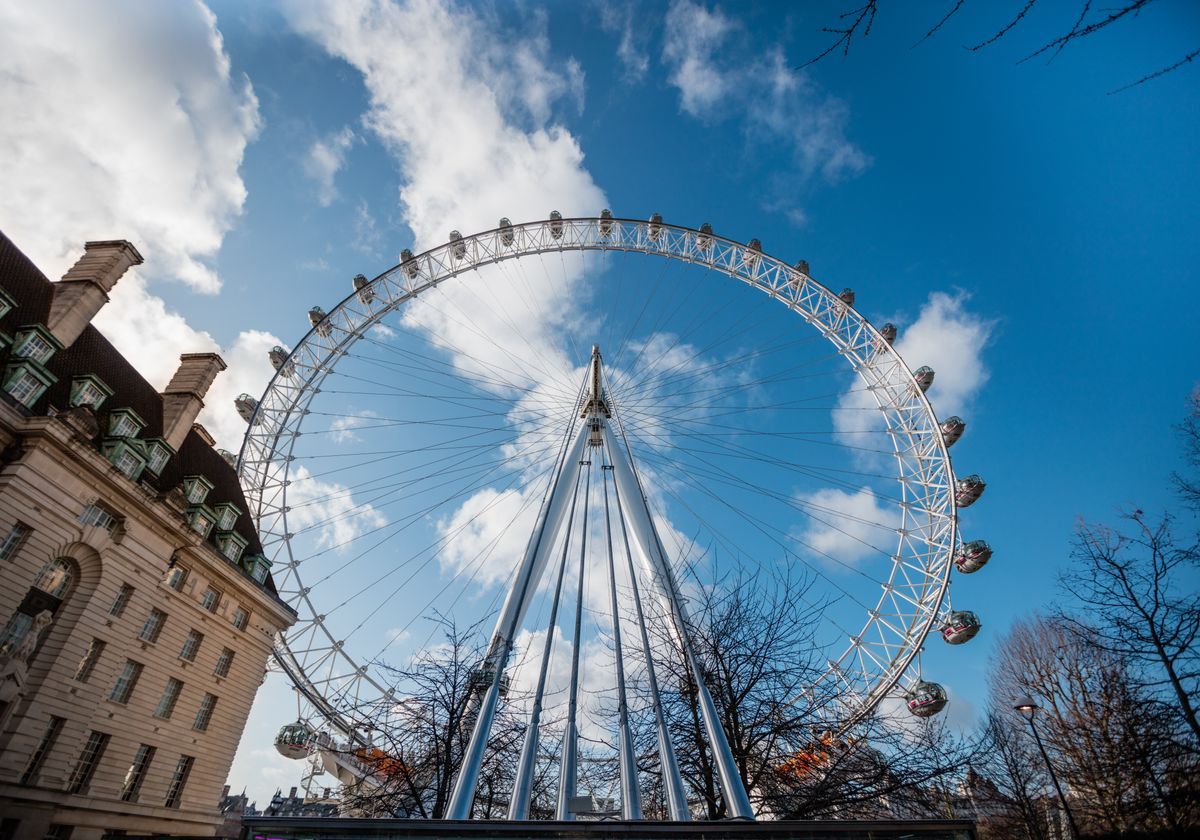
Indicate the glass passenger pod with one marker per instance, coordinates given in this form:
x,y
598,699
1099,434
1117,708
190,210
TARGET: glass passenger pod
x,y
847,297
279,360
952,429
481,679
457,247
961,626
363,287
799,272
506,231
923,376
925,699
752,253
973,556
294,740
969,490
704,239
409,264
246,405
316,317
556,224
888,331
655,226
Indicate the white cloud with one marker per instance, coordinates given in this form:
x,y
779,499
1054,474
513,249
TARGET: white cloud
x,y
324,159
136,131
490,529
622,19
846,528
719,81
342,428
329,510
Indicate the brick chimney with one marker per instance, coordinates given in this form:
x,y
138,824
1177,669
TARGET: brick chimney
x,y
184,395
84,289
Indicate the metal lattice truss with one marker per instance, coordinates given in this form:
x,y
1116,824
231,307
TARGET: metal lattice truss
x,y
874,661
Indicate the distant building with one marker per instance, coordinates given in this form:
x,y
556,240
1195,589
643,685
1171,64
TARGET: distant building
x,y
301,806
137,609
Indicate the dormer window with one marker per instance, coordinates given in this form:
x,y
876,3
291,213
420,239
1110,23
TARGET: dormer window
x,y
6,303
227,514
196,488
124,423
231,545
35,342
127,455
202,519
157,455
258,567
26,381
89,390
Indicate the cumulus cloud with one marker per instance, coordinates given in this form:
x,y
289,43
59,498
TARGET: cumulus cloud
x,y
622,20
717,80
845,528
137,131
324,159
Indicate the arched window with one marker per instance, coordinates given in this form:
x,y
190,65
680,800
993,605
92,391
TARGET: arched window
x,y
50,590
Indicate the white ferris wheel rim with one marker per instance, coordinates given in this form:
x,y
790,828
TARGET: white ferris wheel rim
x,y
925,475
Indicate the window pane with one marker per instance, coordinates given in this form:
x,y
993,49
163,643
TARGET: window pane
x,y
153,626
121,601
178,780
13,541
43,749
170,695
126,682
136,773
90,657
223,663
191,646
93,751
204,714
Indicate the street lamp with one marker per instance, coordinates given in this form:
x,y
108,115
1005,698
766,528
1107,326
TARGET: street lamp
x,y
1028,708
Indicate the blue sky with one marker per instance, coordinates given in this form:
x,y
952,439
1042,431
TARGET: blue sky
x,y
260,171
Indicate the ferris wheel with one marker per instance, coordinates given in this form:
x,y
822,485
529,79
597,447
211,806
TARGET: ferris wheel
x,y
570,427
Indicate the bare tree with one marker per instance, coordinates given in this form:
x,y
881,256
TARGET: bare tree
x,y
1091,18
1189,431
1136,591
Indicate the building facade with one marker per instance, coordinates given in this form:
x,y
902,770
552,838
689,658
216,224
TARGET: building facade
x,y
137,609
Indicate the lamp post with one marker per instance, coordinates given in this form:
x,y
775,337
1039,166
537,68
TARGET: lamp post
x,y
1028,708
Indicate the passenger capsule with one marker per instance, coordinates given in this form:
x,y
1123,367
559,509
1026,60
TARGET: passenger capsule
x,y
317,317
506,231
847,297
925,699
556,224
888,331
294,740
363,286
457,247
973,556
279,360
923,376
961,626
952,429
606,222
409,264
246,405
969,490
704,238
229,457
655,226
752,253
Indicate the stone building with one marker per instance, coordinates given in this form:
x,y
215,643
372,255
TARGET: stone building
x,y
137,609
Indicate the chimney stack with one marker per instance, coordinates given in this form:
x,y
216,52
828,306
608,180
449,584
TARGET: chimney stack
x,y
84,289
184,395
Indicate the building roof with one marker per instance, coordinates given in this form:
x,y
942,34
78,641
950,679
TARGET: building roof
x,y
93,354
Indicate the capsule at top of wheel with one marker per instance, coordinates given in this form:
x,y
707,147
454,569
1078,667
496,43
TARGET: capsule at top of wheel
x,y
246,405
952,429
294,740
968,490
888,332
457,247
363,287
279,360
556,224
606,222
973,556
847,297
506,231
752,253
317,317
409,264
923,376
925,699
655,226
961,626
704,239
